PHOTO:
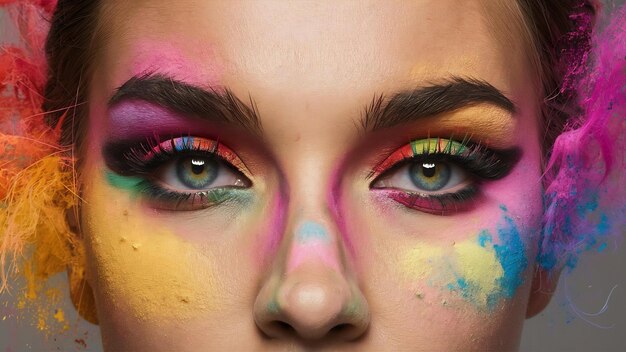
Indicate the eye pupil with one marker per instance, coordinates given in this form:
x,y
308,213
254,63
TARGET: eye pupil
x,y
430,176
197,173
197,166
429,170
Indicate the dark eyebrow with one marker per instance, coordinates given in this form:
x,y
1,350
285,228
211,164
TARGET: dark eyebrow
x,y
217,106
431,100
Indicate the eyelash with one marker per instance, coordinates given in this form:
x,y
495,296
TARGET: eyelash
x,y
483,163
140,160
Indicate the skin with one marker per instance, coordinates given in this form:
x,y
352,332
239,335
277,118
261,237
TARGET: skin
x,y
311,257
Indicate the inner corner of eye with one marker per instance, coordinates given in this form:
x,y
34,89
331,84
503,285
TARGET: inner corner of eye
x,y
379,181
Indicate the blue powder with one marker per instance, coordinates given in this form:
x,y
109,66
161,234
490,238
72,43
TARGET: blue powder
x,y
588,207
547,260
483,238
273,307
311,231
571,262
511,253
581,230
464,288
604,227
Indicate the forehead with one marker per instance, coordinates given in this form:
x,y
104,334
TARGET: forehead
x,y
313,43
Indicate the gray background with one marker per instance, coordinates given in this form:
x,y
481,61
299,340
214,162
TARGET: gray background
x,y
581,317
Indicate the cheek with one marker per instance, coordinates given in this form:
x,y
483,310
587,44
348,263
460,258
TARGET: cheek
x,y
483,270
141,266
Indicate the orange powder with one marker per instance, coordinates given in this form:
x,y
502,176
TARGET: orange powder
x,y
35,241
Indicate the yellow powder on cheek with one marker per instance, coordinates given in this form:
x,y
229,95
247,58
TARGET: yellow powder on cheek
x,y
466,268
142,266
419,262
480,268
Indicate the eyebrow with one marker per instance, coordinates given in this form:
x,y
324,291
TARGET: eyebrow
x,y
209,104
452,94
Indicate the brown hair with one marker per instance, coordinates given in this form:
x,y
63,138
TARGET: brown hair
x,y
560,34
70,50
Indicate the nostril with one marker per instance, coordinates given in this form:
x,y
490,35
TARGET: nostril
x,y
341,328
280,328
281,325
346,332
311,303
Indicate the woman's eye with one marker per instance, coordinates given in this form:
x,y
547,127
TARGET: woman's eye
x,y
198,173
428,177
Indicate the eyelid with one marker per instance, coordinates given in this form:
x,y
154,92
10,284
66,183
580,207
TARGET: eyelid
x,y
484,163
154,152
184,144
426,146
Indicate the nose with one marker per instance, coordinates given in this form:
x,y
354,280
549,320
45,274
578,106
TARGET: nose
x,y
311,294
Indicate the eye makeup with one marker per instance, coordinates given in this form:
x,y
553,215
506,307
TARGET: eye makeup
x,y
169,174
425,160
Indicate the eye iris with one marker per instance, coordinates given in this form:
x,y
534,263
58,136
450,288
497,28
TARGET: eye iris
x,y
197,166
430,176
196,173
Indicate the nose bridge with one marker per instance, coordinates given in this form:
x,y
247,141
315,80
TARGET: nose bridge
x,y
312,293
314,242
312,224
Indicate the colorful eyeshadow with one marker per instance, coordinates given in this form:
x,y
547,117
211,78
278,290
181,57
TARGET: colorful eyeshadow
x,y
432,163
159,198
444,204
427,146
134,166
183,144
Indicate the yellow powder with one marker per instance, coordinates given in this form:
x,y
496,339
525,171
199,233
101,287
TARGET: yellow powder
x,y
59,316
480,268
41,324
477,267
34,218
149,271
419,261
35,240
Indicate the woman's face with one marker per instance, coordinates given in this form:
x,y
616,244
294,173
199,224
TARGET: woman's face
x,y
292,175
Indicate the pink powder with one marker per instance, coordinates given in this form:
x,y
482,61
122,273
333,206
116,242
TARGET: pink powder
x,y
166,58
585,174
271,234
319,249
